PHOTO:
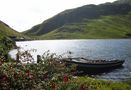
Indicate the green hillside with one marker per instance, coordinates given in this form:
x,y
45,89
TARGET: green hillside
x,y
7,30
109,20
5,42
105,27
7,37
123,1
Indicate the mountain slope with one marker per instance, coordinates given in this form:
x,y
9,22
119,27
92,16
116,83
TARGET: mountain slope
x,y
123,1
105,27
7,31
6,43
73,18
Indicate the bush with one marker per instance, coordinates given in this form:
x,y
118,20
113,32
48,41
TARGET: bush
x,y
50,72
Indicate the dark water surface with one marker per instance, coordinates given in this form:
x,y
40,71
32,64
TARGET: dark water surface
x,y
108,49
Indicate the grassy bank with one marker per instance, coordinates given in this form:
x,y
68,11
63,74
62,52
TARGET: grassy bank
x,y
93,84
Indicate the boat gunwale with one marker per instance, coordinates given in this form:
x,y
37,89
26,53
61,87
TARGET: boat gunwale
x,y
93,62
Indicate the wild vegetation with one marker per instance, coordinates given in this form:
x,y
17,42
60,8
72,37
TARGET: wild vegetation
x,y
6,44
109,20
50,73
105,27
7,30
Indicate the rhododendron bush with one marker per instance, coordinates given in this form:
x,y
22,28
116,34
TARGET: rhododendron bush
x,y
49,72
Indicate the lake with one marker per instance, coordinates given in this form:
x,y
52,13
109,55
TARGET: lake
x,y
107,49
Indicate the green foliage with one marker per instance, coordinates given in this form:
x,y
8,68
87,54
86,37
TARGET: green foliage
x,y
6,44
50,73
94,84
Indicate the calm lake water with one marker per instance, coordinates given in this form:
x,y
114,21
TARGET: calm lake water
x,y
108,49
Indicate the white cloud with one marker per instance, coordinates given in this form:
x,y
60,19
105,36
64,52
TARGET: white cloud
x,y
23,14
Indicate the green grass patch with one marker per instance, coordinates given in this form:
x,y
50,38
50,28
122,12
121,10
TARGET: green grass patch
x,y
94,84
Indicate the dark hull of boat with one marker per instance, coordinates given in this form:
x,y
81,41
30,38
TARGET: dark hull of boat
x,y
96,67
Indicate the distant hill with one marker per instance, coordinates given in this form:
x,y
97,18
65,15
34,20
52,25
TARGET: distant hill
x,y
118,26
123,1
7,31
109,20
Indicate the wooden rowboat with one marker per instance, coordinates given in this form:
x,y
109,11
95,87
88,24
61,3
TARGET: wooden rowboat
x,y
94,65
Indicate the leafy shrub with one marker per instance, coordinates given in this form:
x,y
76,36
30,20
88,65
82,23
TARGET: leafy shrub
x,y
50,72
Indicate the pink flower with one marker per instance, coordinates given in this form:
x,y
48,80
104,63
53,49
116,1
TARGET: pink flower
x,y
83,87
53,85
31,76
1,63
65,79
4,77
27,72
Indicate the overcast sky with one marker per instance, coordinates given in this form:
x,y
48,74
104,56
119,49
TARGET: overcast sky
x,y
23,14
